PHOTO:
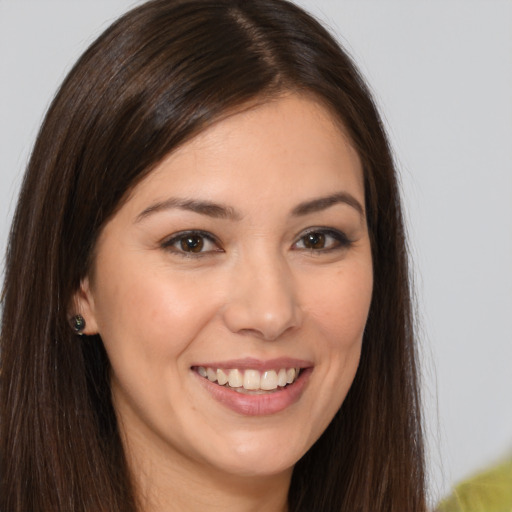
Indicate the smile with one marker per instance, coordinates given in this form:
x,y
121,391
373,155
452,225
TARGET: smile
x,y
250,381
255,387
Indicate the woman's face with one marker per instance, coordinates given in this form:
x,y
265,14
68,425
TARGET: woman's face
x,y
243,257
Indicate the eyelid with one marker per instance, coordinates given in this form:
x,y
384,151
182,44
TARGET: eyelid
x,y
343,241
168,242
340,238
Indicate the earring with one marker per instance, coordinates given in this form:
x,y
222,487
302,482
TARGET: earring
x,y
78,324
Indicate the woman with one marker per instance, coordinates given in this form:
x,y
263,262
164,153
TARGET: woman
x,y
206,301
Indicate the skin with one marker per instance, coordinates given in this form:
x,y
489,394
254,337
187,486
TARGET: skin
x,y
255,290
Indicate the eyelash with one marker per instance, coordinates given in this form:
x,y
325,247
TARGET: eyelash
x,y
341,241
170,243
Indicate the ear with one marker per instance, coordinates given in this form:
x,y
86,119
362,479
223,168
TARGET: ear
x,y
83,304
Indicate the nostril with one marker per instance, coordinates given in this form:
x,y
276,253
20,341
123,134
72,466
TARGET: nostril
x,y
267,332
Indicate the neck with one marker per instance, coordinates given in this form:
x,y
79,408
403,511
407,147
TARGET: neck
x,y
178,493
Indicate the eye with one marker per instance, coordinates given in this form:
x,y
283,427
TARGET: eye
x,y
191,243
322,239
314,240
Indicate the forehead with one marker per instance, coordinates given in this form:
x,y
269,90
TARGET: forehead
x,y
276,153
288,139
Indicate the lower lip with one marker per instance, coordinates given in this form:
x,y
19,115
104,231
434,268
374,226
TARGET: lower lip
x,y
258,405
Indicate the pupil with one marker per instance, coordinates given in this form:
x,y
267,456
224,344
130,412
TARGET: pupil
x,y
315,241
192,243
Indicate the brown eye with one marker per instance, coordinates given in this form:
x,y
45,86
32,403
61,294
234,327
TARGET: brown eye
x,y
192,243
314,240
322,240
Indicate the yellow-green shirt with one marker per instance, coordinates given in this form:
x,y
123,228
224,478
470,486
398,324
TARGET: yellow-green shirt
x,y
490,491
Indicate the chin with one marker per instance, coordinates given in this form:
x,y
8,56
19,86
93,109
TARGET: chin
x,y
259,456
258,467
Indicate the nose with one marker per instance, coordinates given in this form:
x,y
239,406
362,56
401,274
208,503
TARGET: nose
x,y
262,300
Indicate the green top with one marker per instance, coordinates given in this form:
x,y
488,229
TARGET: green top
x,y
490,491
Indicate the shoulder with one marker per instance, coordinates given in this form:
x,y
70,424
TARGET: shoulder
x,y
489,491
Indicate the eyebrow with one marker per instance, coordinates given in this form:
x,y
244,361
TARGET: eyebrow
x,y
322,203
208,208
220,211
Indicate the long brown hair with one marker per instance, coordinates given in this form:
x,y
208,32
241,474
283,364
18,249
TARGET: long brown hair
x,y
154,79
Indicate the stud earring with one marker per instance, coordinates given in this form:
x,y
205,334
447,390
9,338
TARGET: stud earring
x,y
78,324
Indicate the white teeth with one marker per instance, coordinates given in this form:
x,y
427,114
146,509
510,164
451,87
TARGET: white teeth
x,y
211,374
281,378
222,377
250,380
235,378
269,380
290,375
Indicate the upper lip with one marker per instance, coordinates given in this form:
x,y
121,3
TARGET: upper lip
x,y
250,363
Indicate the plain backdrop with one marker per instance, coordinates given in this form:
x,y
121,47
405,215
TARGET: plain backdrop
x,y
442,75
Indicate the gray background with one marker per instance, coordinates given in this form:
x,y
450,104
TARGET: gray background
x,y
442,75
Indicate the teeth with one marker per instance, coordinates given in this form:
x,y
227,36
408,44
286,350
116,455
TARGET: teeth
x,y
251,380
290,375
269,380
222,377
235,379
281,378
211,374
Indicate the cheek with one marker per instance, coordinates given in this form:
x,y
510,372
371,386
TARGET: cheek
x,y
151,313
340,305
148,319
338,312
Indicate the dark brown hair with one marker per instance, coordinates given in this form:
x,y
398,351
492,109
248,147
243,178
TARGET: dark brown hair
x,y
154,79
